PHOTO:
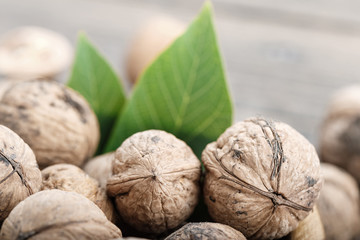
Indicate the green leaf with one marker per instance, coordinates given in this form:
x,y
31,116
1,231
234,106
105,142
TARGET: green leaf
x,y
183,91
94,78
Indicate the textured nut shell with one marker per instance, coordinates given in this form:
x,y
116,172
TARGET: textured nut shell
x,y
70,178
339,204
150,41
34,52
310,227
56,214
100,167
206,231
54,120
27,178
155,181
238,188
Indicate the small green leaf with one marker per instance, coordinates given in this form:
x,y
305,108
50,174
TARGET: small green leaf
x,y
94,78
183,91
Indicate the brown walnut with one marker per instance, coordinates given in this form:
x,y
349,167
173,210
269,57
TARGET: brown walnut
x,y
100,167
206,231
56,214
19,173
155,181
70,178
54,120
262,178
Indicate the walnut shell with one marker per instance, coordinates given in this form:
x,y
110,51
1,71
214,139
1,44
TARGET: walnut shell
x,y
261,178
155,181
100,167
56,214
150,41
54,120
19,173
206,231
70,178
339,204
340,132
34,52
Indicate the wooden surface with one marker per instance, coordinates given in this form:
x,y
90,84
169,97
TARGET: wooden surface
x,y
283,58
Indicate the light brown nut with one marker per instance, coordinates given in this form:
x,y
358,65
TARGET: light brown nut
x,y
155,181
150,41
100,167
70,178
262,178
54,120
340,132
56,214
19,174
339,204
206,231
34,52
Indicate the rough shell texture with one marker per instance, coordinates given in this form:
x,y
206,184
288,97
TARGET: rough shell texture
x,y
262,178
150,41
155,181
19,173
206,231
310,227
34,51
339,204
100,167
56,214
70,178
340,132
54,120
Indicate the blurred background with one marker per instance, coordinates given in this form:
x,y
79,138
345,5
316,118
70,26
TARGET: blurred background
x,y
283,59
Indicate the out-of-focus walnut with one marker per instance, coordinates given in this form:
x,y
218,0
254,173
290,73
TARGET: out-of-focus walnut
x,y
100,167
34,52
56,214
19,172
340,132
206,231
155,181
339,204
54,120
262,178
70,178
150,41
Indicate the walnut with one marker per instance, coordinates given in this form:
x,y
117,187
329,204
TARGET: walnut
x,y
70,178
155,181
310,227
339,204
56,214
54,120
206,231
100,167
340,132
34,52
262,178
19,173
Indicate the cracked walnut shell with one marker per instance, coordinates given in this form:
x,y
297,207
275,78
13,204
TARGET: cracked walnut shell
x,y
56,214
19,173
155,181
54,120
262,178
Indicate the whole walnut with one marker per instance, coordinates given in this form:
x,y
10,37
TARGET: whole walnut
x,y
70,178
100,167
206,231
340,132
19,173
54,120
339,204
262,178
56,214
155,181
